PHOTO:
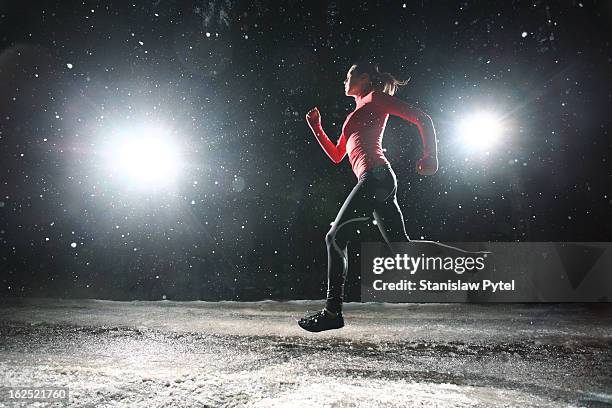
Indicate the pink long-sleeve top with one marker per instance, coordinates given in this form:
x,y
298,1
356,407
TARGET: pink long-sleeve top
x,y
363,130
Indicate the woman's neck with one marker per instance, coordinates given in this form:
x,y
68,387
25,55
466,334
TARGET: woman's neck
x,y
360,99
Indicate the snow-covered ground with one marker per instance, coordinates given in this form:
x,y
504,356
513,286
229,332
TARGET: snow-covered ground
x,y
226,354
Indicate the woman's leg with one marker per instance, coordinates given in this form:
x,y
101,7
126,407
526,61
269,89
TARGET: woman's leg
x,y
390,221
356,210
373,188
389,217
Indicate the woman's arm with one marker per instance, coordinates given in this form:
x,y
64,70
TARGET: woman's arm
x,y
336,152
397,107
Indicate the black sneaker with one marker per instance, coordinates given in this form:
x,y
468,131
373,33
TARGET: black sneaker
x,y
321,321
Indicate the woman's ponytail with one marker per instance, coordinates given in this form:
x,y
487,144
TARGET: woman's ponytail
x,y
390,84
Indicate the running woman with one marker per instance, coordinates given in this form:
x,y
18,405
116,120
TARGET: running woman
x,y
374,195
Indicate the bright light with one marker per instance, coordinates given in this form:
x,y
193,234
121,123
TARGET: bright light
x,y
481,131
147,160
144,158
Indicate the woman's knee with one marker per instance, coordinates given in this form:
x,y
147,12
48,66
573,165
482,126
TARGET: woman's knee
x,y
331,236
335,236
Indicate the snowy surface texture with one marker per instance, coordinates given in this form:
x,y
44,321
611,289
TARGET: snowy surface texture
x,y
226,354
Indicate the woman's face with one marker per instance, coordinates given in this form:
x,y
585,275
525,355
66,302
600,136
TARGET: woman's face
x,y
354,85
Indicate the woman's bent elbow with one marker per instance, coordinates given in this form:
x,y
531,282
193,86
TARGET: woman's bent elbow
x,y
339,157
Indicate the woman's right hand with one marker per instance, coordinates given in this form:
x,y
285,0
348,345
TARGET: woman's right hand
x,y
313,117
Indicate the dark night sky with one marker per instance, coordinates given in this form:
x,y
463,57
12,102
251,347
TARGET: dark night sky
x,y
231,83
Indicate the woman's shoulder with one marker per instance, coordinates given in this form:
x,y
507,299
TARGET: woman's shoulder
x,y
381,98
378,95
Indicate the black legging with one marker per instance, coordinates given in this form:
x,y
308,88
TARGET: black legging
x,y
373,195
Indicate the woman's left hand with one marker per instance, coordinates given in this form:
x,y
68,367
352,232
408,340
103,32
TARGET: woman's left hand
x,y
427,165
